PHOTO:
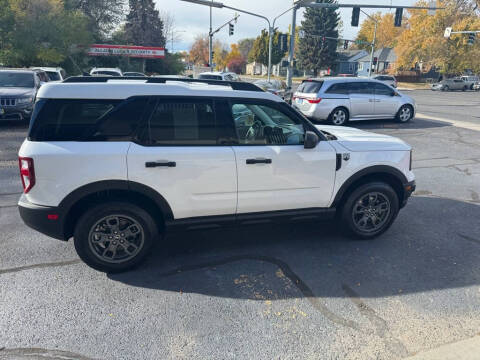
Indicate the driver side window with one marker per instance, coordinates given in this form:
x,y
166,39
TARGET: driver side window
x,y
258,124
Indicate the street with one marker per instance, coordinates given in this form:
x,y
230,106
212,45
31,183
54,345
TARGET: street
x,y
295,291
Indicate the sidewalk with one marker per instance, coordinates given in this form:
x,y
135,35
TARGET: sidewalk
x,y
463,350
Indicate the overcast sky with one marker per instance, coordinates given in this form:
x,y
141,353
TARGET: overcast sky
x,y
192,19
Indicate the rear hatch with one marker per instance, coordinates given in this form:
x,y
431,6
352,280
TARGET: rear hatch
x,y
306,95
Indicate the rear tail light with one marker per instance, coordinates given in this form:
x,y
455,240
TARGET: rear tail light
x,y
314,101
27,173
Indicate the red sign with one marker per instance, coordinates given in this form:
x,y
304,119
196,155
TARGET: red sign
x,y
148,52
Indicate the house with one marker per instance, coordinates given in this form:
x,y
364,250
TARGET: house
x,y
347,62
386,60
256,68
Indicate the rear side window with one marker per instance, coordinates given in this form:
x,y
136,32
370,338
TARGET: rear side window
x,y
366,88
310,87
86,120
181,123
341,88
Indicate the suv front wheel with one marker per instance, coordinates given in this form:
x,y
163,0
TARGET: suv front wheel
x,y
115,236
370,210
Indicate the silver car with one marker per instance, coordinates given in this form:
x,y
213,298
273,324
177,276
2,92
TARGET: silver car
x,y
451,84
387,80
340,100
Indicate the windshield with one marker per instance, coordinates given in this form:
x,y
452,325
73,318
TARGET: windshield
x,y
210,77
13,79
53,76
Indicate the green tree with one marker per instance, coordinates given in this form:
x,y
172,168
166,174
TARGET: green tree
x,y
245,46
314,53
103,15
144,26
259,50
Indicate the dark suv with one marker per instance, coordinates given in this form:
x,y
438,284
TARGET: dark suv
x,y
18,89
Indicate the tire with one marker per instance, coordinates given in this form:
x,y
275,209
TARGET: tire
x,y
359,199
405,114
126,232
339,116
465,88
446,88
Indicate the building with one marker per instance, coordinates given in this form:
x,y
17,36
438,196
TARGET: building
x,y
386,60
347,63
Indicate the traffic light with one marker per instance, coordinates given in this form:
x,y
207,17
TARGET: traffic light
x,y
355,16
345,45
471,38
283,40
398,17
231,29
375,61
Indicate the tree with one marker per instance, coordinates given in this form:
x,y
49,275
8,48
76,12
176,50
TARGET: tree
x,y
422,41
235,60
387,33
144,26
259,52
104,15
199,51
44,32
245,46
314,53
220,53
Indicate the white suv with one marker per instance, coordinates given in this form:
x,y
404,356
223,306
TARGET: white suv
x,y
116,164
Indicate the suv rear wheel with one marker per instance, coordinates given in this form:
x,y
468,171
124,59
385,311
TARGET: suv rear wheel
x,y
339,116
370,210
114,237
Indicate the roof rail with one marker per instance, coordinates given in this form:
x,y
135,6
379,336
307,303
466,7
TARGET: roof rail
x,y
235,85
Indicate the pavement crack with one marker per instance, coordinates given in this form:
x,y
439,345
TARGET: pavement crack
x,y
39,266
392,344
38,353
289,273
468,238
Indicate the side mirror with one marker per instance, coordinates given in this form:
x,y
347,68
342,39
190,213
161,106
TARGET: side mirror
x,y
311,140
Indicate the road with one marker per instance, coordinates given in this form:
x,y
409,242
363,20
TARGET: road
x,y
295,291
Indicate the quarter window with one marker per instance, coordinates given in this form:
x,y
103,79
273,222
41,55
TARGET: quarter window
x,y
258,124
181,123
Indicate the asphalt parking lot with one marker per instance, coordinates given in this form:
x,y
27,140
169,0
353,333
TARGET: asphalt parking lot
x,y
291,292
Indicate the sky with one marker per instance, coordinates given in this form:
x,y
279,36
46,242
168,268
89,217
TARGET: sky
x,y
192,20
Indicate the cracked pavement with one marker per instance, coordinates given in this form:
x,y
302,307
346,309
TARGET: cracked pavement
x,y
289,292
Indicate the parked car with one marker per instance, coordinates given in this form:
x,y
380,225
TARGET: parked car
x,y
182,155
106,72
470,80
134,74
18,90
387,80
451,84
53,73
476,86
222,76
276,87
340,100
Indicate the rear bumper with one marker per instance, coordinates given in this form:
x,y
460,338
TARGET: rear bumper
x,y
45,219
409,189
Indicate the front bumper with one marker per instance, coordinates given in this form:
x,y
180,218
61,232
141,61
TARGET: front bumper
x,y
408,190
45,219
16,112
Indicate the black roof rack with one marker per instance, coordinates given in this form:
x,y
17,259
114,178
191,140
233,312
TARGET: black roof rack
x,y
235,85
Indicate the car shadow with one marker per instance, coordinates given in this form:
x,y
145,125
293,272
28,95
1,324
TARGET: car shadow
x,y
417,123
434,244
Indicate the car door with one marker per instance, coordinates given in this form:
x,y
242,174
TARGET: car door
x,y
386,101
179,154
275,171
362,100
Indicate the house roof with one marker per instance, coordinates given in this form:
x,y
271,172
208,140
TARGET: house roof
x,y
351,55
383,55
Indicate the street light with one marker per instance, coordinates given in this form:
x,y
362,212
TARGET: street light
x,y
270,25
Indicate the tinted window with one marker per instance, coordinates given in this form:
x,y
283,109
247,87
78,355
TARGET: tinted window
x,y
210,77
43,76
365,88
258,124
181,122
381,89
310,87
108,73
15,79
341,88
53,76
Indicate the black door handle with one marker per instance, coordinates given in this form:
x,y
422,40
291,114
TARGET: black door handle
x,y
258,161
154,164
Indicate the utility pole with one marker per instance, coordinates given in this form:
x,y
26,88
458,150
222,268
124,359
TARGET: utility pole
x,y
210,41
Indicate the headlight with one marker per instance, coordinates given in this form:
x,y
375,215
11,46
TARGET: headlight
x,y
26,100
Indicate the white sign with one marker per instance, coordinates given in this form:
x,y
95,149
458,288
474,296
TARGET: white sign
x,y
448,32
